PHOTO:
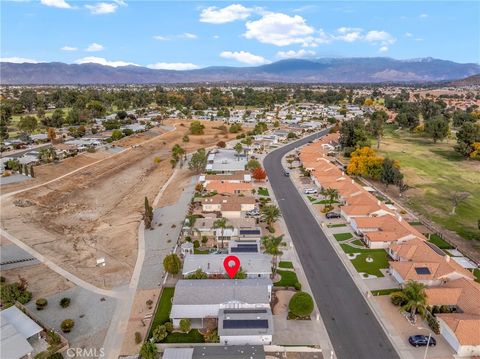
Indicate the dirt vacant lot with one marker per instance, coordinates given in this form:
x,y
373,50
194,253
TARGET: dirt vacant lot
x,y
95,212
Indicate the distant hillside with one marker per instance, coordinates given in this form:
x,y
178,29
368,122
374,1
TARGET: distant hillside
x,y
328,70
469,81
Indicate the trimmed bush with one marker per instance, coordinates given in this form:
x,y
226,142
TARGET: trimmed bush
x,y
196,244
169,327
185,325
67,325
301,304
138,338
159,333
298,286
65,302
41,303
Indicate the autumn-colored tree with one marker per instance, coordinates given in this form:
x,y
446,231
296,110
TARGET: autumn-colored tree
x,y
365,162
221,144
259,174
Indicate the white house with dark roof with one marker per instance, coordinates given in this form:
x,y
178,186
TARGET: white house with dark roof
x,y
203,298
245,326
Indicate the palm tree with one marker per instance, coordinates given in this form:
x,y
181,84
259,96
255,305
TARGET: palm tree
x,y
331,194
148,350
272,246
238,148
414,297
223,224
270,214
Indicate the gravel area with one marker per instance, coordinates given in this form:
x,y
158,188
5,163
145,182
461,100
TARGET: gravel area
x,y
91,312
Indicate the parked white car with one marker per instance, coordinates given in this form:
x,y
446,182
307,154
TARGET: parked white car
x,y
310,191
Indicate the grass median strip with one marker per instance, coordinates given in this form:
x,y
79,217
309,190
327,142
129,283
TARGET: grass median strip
x,y
285,264
288,278
342,236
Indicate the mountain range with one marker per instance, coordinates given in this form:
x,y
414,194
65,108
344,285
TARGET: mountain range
x,y
326,70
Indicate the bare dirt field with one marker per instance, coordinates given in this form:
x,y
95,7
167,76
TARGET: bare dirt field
x,y
137,321
95,212
42,281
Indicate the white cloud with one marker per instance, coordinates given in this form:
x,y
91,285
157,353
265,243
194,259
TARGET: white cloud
x,y
305,8
291,54
61,4
161,38
93,47
188,35
69,48
418,39
216,36
18,60
102,8
423,16
173,66
283,30
383,49
408,34
244,57
349,34
214,15
103,61
381,37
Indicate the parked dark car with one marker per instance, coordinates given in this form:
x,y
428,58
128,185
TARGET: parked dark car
x,y
331,215
287,174
422,341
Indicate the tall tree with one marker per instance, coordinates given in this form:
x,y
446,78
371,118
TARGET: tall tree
x,y
353,134
331,194
148,350
270,213
272,246
27,124
222,224
198,161
239,149
148,215
457,198
172,264
414,297
377,124
467,136
437,128
390,172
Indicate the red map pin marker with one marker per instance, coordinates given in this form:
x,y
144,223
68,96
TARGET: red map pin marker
x,y
231,265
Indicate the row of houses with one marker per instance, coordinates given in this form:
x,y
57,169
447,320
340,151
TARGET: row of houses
x,y
240,309
413,258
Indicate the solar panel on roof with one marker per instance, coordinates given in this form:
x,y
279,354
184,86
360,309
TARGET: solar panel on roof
x,y
422,270
245,324
244,311
244,249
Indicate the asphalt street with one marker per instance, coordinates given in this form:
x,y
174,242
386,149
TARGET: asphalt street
x,y
353,329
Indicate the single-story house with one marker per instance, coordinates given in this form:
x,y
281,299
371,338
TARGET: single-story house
x,y
203,298
235,177
230,206
245,326
254,265
244,188
225,161
215,352
18,331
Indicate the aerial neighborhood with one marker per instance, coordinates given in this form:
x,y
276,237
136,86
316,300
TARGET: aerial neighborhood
x,y
247,180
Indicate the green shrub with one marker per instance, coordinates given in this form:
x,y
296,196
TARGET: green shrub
x,y
67,325
159,333
196,244
138,338
41,303
169,327
185,325
65,302
298,286
301,304
172,264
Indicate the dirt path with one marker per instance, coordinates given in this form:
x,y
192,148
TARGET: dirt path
x,y
95,212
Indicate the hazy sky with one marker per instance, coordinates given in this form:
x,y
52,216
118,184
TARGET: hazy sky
x,y
185,34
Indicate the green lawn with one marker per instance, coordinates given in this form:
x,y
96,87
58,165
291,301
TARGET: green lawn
x,y
342,236
437,172
289,278
193,336
380,261
358,242
439,242
476,273
162,314
285,264
262,191
200,251
336,225
312,199
326,201
384,291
